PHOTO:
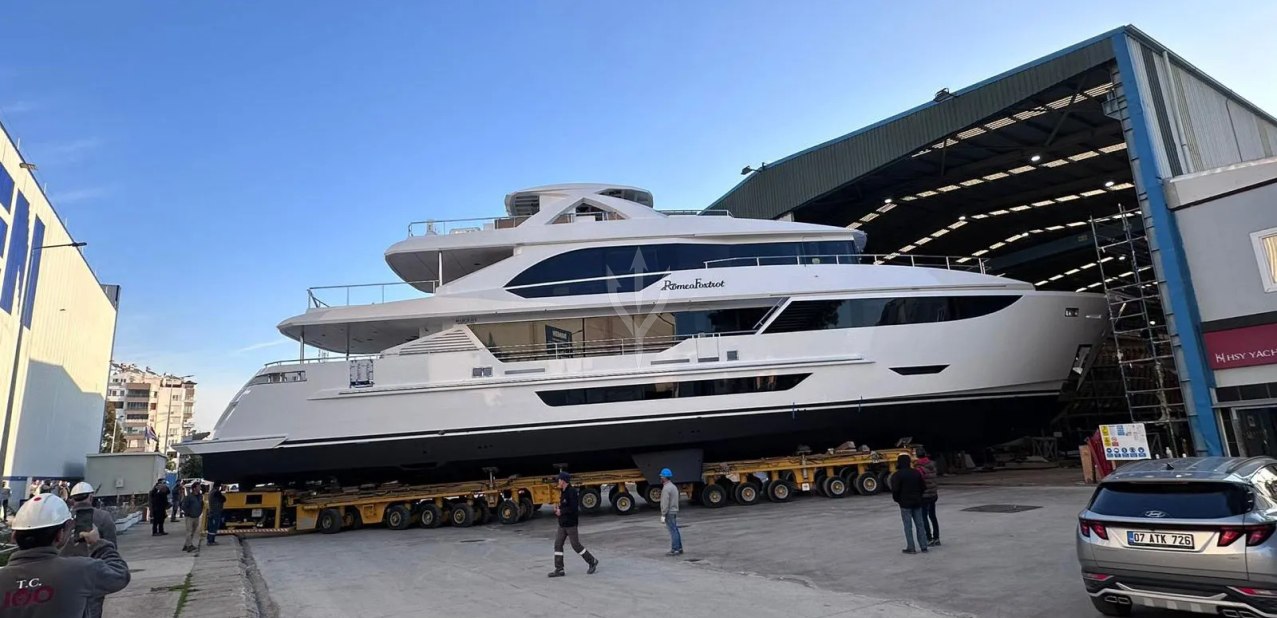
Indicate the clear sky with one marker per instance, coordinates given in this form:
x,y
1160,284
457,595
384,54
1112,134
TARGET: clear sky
x,y
220,157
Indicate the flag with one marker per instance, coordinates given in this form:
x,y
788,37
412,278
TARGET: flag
x,y
150,434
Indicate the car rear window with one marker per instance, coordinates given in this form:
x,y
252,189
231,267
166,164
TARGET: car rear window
x,y
1177,500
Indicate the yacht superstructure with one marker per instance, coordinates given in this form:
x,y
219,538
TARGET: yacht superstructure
x,y
586,326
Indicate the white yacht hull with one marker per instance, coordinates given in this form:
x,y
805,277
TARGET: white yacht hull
x,y
958,383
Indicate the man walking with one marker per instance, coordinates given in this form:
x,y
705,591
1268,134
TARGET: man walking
x,y
566,511
930,494
38,583
192,508
906,489
82,498
159,507
215,501
669,511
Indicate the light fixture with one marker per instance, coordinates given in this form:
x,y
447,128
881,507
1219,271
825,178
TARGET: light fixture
x,y
1152,322
887,201
1108,184
962,218
1035,158
943,94
747,169
1121,257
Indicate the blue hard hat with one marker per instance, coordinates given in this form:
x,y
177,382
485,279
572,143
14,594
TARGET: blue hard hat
x,y
666,473
565,477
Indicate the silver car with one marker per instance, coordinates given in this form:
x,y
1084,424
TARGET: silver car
x,y
1192,534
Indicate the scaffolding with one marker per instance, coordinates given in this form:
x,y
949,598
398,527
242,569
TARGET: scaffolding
x,y
1141,339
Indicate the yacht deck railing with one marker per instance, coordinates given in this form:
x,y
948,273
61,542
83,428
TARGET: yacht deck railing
x,y
598,347
440,227
324,296
964,263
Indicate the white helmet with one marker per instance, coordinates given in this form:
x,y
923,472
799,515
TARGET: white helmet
x,y
42,511
81,489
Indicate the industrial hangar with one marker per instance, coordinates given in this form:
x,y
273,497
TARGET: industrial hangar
x,y
1056,173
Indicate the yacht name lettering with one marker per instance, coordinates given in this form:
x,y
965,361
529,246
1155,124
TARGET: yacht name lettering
x,y
698,284
1239,356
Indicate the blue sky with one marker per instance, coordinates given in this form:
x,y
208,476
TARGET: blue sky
x,y
220,157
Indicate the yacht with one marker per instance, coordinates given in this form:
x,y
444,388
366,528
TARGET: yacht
x,y
586,328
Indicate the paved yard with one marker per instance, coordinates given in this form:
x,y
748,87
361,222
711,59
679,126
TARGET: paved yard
x,y
812,557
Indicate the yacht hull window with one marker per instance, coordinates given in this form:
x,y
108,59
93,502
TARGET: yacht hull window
x,y
628,263
610,335
671,390
807,315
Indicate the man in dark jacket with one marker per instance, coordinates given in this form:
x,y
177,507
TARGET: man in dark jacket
x,y
159,507
566,511
907,487
930,494
215,501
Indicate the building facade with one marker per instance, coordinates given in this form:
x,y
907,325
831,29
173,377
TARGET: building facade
x,y
1227,219
57,329
146,400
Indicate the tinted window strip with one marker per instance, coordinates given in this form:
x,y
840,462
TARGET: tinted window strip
x,y
919,370
671,390
806,315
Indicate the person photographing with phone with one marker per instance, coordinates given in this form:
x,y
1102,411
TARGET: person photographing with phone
x,y
38,583
86,518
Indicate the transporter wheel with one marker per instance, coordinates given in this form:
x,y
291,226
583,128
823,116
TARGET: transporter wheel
x,y
848,476
818,484
397,517
780,491
507,511
351,520
1111,609
867,484
429,515
461,515
590,499
714,496
623,503
329,521
482,514
835,487
652,495
526,507
884,479
747,493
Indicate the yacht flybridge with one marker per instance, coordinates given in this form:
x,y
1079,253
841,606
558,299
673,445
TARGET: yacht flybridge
x,y
587,327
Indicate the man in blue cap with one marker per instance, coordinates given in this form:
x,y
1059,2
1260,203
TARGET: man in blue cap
x,y
566,511
669,511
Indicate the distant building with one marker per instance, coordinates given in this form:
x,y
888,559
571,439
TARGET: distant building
x,y
144,399
57,327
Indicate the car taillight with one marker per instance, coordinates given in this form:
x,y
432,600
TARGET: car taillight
x,y
1255,535
1088,526
1255,592
1097,577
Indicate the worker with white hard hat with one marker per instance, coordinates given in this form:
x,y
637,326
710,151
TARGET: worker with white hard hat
x,y
82,499
37,582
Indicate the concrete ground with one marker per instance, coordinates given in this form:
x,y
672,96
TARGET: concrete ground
x,y
811,557
165,581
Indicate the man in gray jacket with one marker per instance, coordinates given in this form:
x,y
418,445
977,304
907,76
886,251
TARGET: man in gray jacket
x,y
192,508
669,511
38,583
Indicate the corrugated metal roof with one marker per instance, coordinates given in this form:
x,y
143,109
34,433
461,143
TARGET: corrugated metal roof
x,y
805,176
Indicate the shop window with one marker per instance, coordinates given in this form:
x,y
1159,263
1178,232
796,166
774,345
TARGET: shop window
x,y
1265,244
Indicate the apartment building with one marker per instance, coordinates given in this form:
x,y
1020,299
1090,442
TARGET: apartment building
x,y
146,399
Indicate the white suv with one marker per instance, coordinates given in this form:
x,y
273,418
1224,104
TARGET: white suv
x,y
1193,534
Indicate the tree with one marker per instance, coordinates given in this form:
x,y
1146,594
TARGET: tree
x,y
192,467
112,434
